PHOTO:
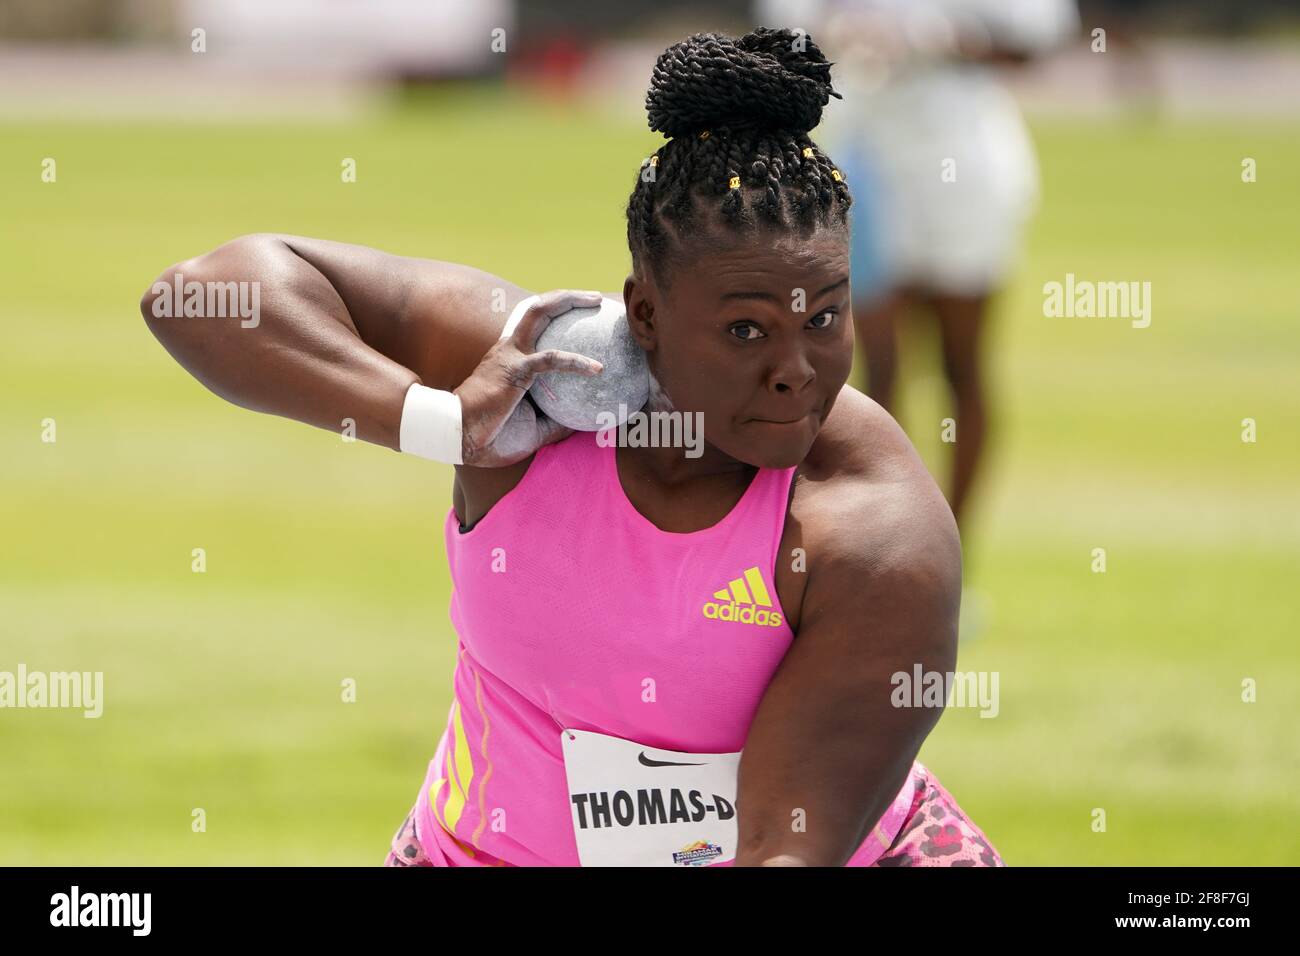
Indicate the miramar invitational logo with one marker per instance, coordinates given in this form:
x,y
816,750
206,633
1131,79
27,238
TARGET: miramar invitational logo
x,y
698,853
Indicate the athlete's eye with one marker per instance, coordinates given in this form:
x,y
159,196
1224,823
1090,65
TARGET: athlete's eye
x,y
746,325
828,315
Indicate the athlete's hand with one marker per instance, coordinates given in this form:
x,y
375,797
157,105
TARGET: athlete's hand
x,y
498,426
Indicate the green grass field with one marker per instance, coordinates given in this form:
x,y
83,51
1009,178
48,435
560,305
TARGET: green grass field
x,y
325,561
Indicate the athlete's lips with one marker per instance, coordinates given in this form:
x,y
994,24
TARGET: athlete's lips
x,y
781,421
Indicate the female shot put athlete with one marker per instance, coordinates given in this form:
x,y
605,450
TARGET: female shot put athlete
x,y
619,693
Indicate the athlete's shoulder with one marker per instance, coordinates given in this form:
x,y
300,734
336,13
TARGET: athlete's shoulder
x,y
865,499
859,441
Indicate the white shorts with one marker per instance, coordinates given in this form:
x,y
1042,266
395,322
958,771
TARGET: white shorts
x,y
943,177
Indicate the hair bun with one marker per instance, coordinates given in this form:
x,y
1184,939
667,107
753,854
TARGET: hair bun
x,y
768,80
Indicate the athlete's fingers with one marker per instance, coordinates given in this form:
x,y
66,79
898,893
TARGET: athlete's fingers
x,y
548,306
554,360
496,429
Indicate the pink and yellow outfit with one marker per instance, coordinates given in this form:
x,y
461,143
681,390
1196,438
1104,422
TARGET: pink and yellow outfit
x,y
574,611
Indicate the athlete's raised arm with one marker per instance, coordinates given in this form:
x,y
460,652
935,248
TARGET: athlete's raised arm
x,y
884,585
339,331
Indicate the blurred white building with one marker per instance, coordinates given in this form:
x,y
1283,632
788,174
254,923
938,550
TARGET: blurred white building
x,y
427,37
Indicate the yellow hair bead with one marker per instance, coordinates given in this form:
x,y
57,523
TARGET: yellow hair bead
x,y
654,160
704,135
734,183
835,175
807,152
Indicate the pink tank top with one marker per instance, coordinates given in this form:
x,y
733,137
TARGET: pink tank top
x,y
565,600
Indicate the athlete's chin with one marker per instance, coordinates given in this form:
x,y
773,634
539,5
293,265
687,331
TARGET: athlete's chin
x,y
784,459
777,444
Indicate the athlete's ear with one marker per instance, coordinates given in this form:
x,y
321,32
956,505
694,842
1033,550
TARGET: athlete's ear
x,y
638,299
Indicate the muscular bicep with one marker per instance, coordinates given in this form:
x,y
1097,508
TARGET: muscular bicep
x,y
882,597
883,594
436,318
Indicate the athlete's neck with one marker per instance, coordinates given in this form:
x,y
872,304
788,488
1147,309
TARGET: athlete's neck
x,y
672,468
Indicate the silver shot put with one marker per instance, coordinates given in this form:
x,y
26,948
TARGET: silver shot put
x,y
590,402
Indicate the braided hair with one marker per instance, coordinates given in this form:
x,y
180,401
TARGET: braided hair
x,y
737,113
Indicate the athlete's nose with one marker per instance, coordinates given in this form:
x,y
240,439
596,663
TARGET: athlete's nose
x,y
794,373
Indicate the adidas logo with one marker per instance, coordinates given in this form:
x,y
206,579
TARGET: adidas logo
x,y
745,601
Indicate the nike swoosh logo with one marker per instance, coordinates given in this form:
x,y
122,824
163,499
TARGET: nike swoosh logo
x,y
647,762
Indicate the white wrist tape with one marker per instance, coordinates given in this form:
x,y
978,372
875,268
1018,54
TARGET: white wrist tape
x,y
431,424
516,314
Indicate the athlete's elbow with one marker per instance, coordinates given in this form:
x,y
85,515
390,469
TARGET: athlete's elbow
x,y
168,295
155,303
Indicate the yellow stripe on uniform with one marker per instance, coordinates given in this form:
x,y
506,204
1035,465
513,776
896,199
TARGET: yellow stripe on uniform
x,y
739,593
487,774
758,587
433,801
460,772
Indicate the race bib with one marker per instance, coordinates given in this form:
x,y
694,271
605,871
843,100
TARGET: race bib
x,y
634,805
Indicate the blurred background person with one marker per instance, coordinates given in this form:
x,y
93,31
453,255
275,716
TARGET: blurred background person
x,y
943,172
